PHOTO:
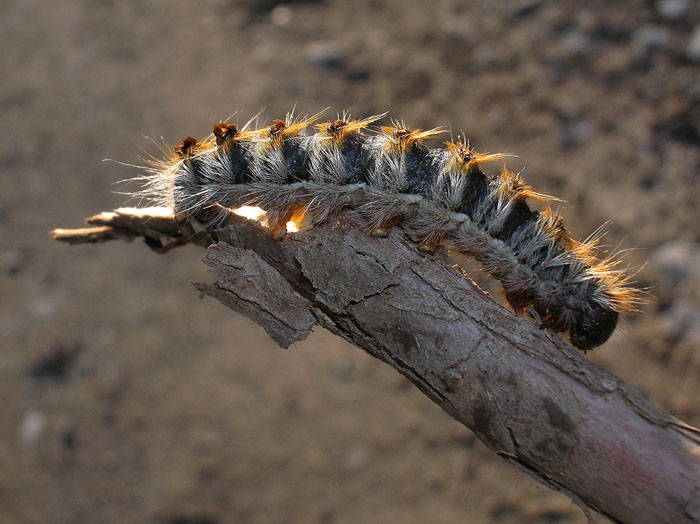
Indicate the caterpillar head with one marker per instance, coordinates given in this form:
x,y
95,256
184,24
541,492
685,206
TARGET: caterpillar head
x,y
593,327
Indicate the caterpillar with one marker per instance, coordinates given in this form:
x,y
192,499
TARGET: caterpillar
x,y
391,177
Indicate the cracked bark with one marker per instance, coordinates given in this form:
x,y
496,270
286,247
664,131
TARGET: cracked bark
x,y
528,395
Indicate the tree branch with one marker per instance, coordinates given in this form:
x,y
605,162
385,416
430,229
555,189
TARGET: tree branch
x,y
529,396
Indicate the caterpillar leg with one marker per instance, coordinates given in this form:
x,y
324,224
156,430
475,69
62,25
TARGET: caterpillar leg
x,y
277,222
518,301
381,224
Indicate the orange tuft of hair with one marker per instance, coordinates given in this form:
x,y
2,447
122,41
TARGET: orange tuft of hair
x,y
281,130
403,139
187,147
513,187
344,127
465,158
553,226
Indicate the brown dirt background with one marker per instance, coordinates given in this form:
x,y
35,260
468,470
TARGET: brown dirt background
x,y
127,399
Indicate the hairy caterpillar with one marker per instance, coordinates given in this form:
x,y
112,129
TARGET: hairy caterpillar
x,y
439,196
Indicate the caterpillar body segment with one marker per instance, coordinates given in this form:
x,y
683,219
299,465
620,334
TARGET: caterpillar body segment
x,y
439,196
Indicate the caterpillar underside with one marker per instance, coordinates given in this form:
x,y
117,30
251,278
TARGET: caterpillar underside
x,y
438,196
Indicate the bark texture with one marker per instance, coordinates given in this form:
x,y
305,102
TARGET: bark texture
x,y
527,394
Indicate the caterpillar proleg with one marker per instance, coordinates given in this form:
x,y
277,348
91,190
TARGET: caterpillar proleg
x,y
438,196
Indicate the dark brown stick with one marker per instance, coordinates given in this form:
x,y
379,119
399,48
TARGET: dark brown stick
x,y
524,392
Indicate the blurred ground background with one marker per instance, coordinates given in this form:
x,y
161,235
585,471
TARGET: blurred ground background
x,y
120,403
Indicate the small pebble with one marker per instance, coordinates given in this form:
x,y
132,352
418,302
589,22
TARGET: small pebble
x,y
648,39
32,427
356,459
325,54
672,9
681,322
692,51
43,307
576,44
572,130
281,15
677,261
